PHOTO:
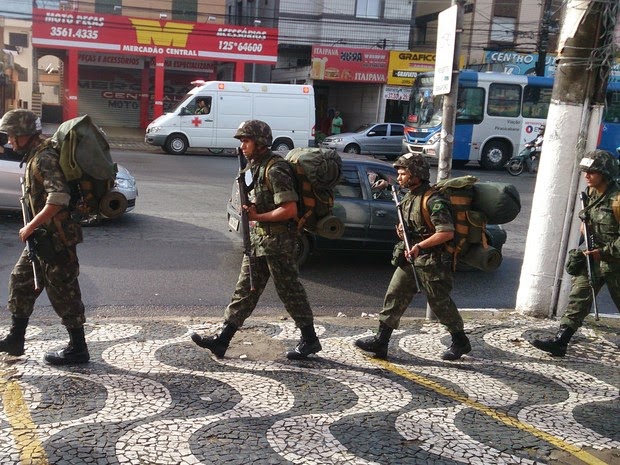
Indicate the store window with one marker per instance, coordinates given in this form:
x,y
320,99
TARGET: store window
x,y
185,10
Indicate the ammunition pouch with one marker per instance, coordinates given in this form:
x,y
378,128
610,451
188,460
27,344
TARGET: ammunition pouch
x,y
398,255
576,262
269,229
44,245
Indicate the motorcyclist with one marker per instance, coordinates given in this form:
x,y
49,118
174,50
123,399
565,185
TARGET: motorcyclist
x,y
535,147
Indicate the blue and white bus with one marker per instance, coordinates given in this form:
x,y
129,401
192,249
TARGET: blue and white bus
x,y
497,114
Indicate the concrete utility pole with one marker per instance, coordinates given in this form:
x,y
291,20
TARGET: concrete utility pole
x,y
585,56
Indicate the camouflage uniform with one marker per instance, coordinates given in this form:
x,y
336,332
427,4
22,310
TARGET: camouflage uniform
x,y
56,237
273,248
45,182
601,213
433,266
606,231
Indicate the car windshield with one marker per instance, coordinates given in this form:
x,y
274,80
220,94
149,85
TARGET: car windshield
x,y
363,128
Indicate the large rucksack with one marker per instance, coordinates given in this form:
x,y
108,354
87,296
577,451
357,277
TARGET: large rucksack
x,y
87,164
474,206
317,172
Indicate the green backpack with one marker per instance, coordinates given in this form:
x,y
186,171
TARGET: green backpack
x,y
87,164
474,205
318,171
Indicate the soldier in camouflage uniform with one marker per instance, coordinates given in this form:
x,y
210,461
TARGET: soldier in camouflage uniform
x,y
48,197
274,238
432,261
601,213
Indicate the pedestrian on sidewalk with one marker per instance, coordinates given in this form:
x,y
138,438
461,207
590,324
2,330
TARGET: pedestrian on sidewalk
x,y
602,213
433,262
273,238
48,197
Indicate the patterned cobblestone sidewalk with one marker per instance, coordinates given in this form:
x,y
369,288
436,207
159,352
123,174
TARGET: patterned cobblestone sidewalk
x,y
150,396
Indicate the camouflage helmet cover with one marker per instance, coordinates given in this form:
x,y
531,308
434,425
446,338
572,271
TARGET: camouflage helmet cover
x,y
600,161
20,123
258,131
416,164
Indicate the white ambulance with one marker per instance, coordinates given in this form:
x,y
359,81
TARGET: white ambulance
x,y
287,108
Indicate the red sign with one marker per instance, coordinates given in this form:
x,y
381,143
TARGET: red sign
x,y
349,64
153,37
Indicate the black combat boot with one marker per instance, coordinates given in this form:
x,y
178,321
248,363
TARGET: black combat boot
x,y
13,343
75,352
558,345
216,344
308,344
377,344
459,347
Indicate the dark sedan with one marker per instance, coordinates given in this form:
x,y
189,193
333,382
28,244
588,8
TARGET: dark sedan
x,y
367,211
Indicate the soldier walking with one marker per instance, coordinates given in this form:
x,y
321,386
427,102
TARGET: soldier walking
x,y
48,199
602,214
274,238
432,261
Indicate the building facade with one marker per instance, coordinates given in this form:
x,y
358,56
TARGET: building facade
x,y
126,61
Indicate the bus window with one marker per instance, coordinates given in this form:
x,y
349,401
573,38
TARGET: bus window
x,y
504,100
470,105
612,107
536,101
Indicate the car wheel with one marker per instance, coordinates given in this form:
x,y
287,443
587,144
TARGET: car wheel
x,y
352,148
495,155
302,249
176,144
281,146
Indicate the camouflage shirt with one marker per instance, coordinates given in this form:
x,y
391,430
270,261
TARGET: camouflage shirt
x,y
45,183
274,184
438,208
604,226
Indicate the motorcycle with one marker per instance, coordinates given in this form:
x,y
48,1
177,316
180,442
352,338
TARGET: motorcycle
x,y
524,161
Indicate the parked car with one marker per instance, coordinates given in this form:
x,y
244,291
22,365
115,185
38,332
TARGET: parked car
x,y
369,214
10,188
370,139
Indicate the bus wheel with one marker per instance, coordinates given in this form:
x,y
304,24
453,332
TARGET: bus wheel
x,y
495,155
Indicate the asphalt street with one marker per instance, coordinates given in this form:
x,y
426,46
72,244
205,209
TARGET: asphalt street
x,y
150,396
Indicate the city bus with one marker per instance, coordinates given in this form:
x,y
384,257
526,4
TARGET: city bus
x,y
496,115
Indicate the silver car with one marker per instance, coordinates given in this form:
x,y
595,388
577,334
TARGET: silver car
x,y
370,139
10,188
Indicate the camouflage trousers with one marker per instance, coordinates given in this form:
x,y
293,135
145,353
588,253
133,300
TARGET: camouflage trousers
x,y
436,282
283,269
60,281
580,298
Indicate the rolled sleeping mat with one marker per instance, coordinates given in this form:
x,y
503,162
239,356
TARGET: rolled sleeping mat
x,y
113,204
330,227
485,259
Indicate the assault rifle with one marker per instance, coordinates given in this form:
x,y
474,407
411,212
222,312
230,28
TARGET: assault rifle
x,y
403,225
589,246
30,241
245,222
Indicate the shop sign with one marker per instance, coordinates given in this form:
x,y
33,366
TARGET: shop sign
x,y
349,64
396,93
137,62
150,37
405,65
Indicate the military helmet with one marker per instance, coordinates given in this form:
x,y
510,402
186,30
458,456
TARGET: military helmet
x,y
600,161
20,123
416,164
259,131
